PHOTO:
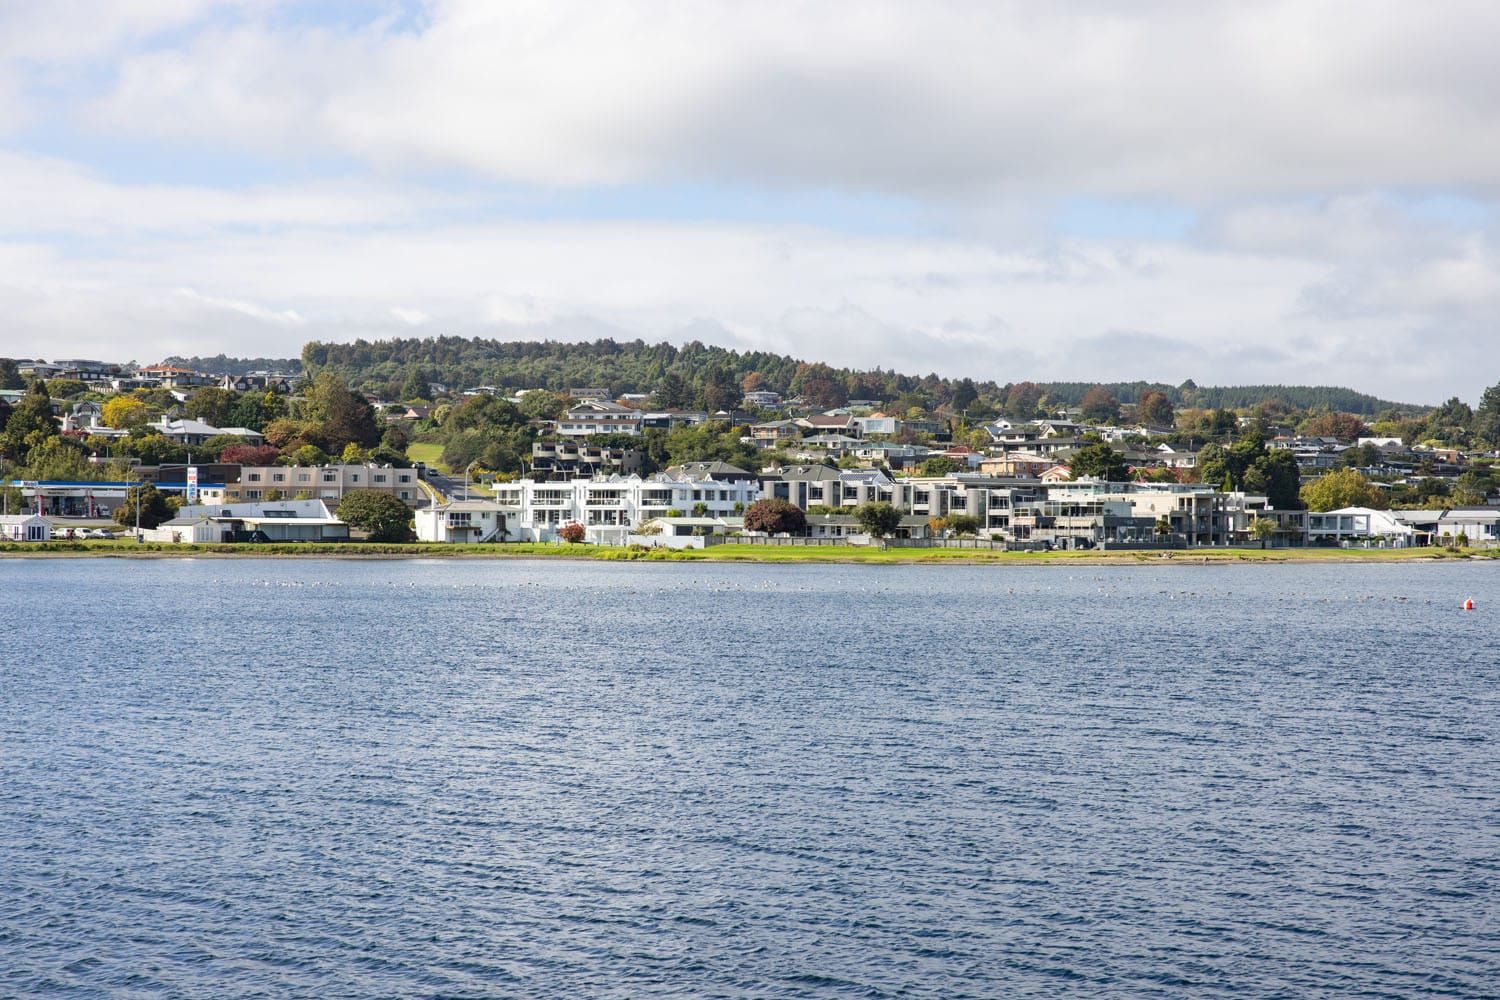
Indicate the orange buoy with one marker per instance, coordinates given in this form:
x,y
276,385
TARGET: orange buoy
x,y
1468,604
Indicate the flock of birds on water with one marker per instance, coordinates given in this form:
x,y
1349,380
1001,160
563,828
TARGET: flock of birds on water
x,y
1104,586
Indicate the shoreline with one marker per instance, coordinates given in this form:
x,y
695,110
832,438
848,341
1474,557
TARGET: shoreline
x,y
732,553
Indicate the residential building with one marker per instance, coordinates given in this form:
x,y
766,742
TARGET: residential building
x,y
1358,525
564,459
599,416
279,521
323,482
192,433
610,507
468,521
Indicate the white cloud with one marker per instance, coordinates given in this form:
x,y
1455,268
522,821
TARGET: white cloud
x,y
1076,310
938,100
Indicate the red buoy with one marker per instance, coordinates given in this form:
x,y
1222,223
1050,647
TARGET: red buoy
x,y
1468,604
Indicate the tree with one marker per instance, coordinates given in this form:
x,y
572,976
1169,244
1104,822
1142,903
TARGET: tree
x,y
211,405
1486,422
572,532
878,519
700,509
1344,488
125,412
152,503
343,416
1099,460
539,404
962,524
775,517
30,423
10,378
1264,529
1344,426
1100,406
380,515
1154,409
938,466
1022,400
249,454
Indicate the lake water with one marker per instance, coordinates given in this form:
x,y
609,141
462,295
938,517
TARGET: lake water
x,y
428,778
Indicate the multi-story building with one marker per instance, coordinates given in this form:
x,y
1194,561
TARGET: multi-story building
x,y
322,482
599,416
609,507
563,460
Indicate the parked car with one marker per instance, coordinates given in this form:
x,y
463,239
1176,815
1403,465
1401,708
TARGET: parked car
x,y
99,533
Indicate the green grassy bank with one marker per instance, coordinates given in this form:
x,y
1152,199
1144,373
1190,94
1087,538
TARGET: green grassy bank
x,y
126,548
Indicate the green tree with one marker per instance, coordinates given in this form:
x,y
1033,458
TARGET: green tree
x,y
31,422
9,377
1343,488
1264,529
343,415
153,506
1486,422
962,524
938,466
775,517
1099,460
211,405
878,519
539,404
381,516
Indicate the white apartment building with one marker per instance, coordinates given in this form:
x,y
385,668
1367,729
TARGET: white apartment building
x,y
610,508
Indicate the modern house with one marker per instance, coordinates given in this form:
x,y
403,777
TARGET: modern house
x,y
468,521
1358,525
599,416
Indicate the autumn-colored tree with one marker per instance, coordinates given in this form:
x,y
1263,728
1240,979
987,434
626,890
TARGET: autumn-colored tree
x,y
572,533
1344,426
775,517
1100,406
125,412
249,454
1154,409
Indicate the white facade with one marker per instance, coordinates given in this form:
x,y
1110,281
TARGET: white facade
x,y
1358,524
468,521
25,528
610,508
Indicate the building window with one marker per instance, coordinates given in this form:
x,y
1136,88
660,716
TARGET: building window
x,y
254,477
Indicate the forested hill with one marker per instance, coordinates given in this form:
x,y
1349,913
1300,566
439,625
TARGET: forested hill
x,y
700,374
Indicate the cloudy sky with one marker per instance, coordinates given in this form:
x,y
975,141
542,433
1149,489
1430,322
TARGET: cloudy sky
x,y
1283,192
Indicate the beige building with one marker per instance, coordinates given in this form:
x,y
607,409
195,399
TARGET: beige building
x,y
321,482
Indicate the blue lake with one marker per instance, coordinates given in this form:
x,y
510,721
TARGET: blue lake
x,y
427,778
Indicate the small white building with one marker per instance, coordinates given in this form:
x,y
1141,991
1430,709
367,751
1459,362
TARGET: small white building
x,y
278,521
468,521
1360,525
25,528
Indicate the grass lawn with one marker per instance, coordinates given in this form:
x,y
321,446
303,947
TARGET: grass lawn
x,y
731,552
426,453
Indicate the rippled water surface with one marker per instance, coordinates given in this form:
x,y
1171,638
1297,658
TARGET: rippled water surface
x,y
362,778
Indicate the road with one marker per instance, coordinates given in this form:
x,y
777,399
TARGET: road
x,y
452,487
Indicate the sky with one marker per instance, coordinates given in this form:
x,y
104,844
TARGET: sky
x,y
1294,192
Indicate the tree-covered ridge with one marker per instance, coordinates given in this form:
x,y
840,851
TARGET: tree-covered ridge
x,y
1233,397
389,366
